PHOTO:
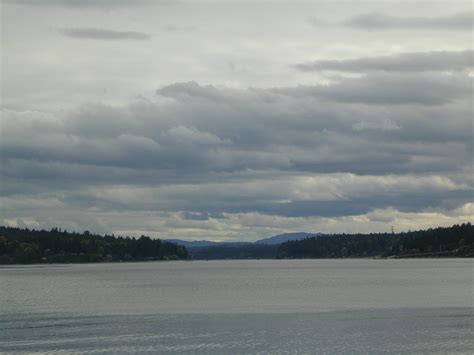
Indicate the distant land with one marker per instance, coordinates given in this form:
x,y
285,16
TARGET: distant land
x,y
281,238
190,244
27,246
277,239
455,241
266,248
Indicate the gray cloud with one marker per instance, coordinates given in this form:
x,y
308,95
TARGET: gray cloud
x,y
201,151
375,88
177,28
101,34
106,4
460,21
382,88
405,62
299,150
206,129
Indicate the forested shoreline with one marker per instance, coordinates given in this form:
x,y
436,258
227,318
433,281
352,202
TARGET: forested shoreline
x,y
455,241
27,246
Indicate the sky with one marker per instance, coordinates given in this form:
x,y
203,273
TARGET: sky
x,y
236,120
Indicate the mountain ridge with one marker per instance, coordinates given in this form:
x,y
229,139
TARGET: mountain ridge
x,y
273,240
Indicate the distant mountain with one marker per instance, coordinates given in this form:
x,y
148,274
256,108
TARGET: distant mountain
x,y
282,238
193,244
277,239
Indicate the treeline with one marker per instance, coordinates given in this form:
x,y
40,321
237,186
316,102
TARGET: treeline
x,y
28,246
55,246
455,241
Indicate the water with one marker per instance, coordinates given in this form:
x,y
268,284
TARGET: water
x,y
255,306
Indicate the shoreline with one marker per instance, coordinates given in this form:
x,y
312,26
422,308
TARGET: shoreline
x,y
211,260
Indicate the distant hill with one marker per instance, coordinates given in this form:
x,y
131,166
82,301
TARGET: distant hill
x,y
261,249
194,244
277,239
282,238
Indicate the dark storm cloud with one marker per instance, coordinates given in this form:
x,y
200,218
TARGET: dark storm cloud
x,y
461,21
405,62
101,34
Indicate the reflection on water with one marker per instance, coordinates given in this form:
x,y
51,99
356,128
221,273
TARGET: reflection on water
x,y
304,306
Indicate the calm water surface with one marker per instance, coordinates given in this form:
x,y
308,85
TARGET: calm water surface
x,y
255,306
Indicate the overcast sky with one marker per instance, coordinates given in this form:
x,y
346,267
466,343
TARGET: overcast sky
x,y
236,120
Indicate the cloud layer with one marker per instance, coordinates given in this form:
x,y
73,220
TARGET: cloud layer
x,y
107,4
214,121
101,34
208,154
406,62
461,21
